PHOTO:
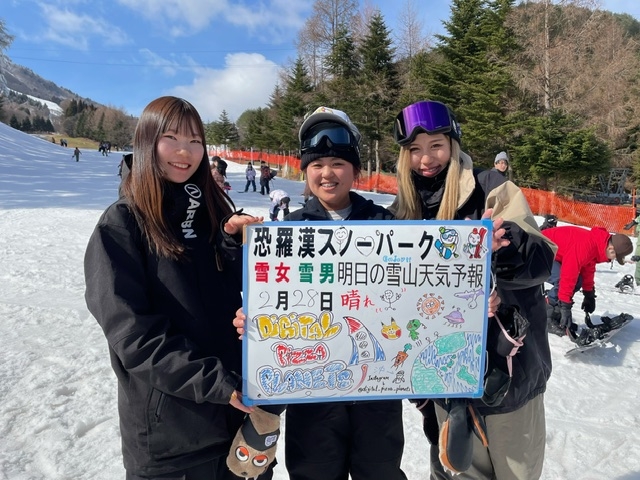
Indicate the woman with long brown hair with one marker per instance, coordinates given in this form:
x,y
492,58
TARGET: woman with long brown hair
x,y
163,280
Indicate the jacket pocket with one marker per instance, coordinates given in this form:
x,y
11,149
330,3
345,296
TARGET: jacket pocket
x,y
176,426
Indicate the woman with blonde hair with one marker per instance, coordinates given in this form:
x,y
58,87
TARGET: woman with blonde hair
x,y
437,180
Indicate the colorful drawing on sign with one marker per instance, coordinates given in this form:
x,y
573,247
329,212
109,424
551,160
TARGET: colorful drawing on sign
x,y
448,364
391,331
429,306
366,348
447,244
344,312
471,296
474,247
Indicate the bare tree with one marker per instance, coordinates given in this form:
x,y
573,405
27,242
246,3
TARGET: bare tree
x,y
410,38
320,31
578,59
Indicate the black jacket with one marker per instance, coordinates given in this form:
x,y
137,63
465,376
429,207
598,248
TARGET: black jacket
x,y
521,269
171,340
361,209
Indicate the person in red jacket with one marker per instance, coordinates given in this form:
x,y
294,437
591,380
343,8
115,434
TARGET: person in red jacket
x,y
574,267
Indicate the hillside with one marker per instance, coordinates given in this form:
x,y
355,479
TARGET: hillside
x,y
24,80
27,94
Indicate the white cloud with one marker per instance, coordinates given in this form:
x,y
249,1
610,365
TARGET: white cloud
x,y
168,66
271,20
247,81
76,30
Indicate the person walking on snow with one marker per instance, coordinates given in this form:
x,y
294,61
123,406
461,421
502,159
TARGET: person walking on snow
x,y
574,267
76,153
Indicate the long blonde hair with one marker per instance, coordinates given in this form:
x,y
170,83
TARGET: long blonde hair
x,y
408,205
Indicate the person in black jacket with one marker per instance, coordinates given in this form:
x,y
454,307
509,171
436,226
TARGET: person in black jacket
x,y
332,441
436,180
163,280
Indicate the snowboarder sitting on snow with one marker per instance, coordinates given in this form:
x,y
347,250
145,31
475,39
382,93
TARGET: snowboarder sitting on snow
x,y
279,201
574,267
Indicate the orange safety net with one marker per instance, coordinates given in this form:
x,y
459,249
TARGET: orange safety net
x,y
611,217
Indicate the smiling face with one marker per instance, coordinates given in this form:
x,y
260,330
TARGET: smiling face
x,y
180,153
502,165
430,154
330,180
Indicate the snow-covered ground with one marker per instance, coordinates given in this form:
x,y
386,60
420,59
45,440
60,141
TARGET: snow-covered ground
x,y
58,417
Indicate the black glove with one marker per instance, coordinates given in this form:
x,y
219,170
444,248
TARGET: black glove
x,y
630,225
635,258
589,302
565,311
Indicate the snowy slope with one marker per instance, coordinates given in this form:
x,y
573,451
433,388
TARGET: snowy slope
x,y
58,416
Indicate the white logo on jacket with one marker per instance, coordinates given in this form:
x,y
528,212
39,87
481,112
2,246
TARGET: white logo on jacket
x,y
194,192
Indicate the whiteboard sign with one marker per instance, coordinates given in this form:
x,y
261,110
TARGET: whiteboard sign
x,y
365,310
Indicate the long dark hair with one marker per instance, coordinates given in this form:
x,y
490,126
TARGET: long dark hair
x,y
144,187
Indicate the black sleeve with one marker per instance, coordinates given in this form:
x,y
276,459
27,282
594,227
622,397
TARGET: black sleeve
x,y
525,262
142,340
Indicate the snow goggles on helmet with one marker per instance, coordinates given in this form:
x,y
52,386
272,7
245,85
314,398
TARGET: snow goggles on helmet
x,y
328,135
424,117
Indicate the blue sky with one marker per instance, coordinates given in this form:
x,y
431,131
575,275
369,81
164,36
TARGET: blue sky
x,y
218,54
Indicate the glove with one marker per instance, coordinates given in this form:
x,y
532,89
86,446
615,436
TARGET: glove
x,y
254,446
589,302
566,319
430,422
635,258
455,444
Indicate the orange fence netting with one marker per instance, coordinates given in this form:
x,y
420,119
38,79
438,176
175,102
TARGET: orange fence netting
x,y
611,217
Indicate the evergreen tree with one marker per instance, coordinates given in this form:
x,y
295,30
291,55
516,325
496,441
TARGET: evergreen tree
x,y
26,125
343,67
13,122
291,108
379,91
99,132
471,75
72,108
554,151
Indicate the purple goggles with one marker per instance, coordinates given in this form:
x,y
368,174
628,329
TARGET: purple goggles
x,y
428,117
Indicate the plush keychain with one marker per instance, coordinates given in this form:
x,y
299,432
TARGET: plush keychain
x,y
254,446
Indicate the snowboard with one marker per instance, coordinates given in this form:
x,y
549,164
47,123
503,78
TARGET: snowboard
x,y
621,320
